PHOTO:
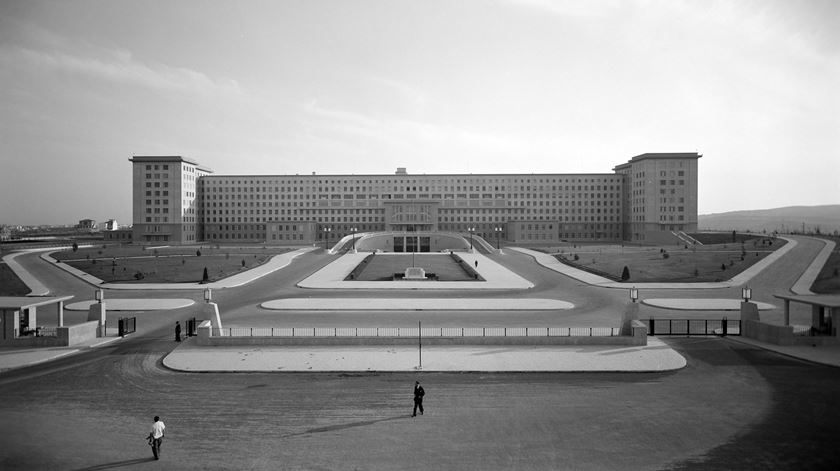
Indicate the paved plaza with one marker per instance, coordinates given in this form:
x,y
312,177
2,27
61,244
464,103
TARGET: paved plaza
x,y
706,403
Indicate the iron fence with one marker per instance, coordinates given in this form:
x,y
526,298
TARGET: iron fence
x,y
688,327
414,332
126,325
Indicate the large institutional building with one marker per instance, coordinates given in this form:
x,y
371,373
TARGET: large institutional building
x,y
649,199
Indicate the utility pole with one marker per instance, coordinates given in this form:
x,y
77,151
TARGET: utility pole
x,y
420,342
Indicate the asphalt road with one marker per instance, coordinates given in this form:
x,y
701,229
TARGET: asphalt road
x,y
732,407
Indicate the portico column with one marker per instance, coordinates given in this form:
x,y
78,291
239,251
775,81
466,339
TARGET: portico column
x,y
787,311
816,317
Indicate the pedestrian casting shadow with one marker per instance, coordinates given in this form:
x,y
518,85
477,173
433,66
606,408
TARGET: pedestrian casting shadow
x,y
333,428
116,464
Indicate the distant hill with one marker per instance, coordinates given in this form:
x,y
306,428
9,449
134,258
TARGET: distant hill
x,y
826,219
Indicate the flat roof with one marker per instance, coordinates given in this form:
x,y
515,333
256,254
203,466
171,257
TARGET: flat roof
x,y
26,302
666,155
162,158
405,175
824,300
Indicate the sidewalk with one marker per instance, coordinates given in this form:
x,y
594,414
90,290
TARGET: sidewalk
x,y
14,357
654,357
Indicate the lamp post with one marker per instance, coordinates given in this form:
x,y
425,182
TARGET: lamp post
x,y
471,230
353,231
634,294
327,231
746,293
498,233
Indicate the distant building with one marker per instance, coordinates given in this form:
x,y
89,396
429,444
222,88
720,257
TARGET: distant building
x,y
111,225
646,200
124,235
86,224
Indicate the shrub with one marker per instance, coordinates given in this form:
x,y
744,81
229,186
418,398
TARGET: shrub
x,y
243,263
723,266
198,253
75,247
625,273
665,255
139,275
577,257
205,278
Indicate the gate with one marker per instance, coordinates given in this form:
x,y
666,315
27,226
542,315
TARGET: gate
x,y
126,325
689,327
192,326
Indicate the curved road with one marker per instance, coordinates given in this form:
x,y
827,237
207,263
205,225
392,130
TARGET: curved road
x,y
733,407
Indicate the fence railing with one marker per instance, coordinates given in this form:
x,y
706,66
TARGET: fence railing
x,y
689,327
414,332
809,331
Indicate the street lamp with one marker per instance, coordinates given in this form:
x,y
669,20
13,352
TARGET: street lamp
x,y
746,293
634,294
208,295
471,230
327,231
498,233
99,295
353,231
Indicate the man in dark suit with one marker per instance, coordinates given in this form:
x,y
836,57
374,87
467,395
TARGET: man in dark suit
x,y
418,398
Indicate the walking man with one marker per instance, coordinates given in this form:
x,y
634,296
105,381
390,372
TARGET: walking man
x,y
156,437
418,398
177,331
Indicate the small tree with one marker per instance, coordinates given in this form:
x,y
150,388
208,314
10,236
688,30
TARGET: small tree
x,y
625,274
75,247
205,278
243,263
723,267
198,253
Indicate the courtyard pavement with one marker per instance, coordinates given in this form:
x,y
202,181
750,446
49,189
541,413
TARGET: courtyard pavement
x,y
657,356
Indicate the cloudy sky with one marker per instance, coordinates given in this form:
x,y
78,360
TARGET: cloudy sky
x,y
453,86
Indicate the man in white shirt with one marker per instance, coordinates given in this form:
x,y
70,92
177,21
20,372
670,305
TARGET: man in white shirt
x,y
156,436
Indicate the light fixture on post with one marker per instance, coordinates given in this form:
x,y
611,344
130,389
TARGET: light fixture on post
x,y
471,230
634,294
208,295
353,231
98,295
746,293
498,233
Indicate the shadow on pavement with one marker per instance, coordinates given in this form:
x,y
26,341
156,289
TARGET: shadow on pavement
x,y
333,428
116,464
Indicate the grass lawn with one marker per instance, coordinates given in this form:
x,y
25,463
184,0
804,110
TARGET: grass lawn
x,y
828,281
134,264
10,284
701,263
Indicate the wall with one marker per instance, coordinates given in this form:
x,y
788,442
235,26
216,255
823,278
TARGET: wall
x,y
74,334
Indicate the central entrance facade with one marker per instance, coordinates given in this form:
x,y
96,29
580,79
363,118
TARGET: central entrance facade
x,y
412,243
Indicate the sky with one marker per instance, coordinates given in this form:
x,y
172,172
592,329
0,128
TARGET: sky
x,y
454,86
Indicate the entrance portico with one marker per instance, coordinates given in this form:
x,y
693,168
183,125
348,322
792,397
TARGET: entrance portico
x,y
825,310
